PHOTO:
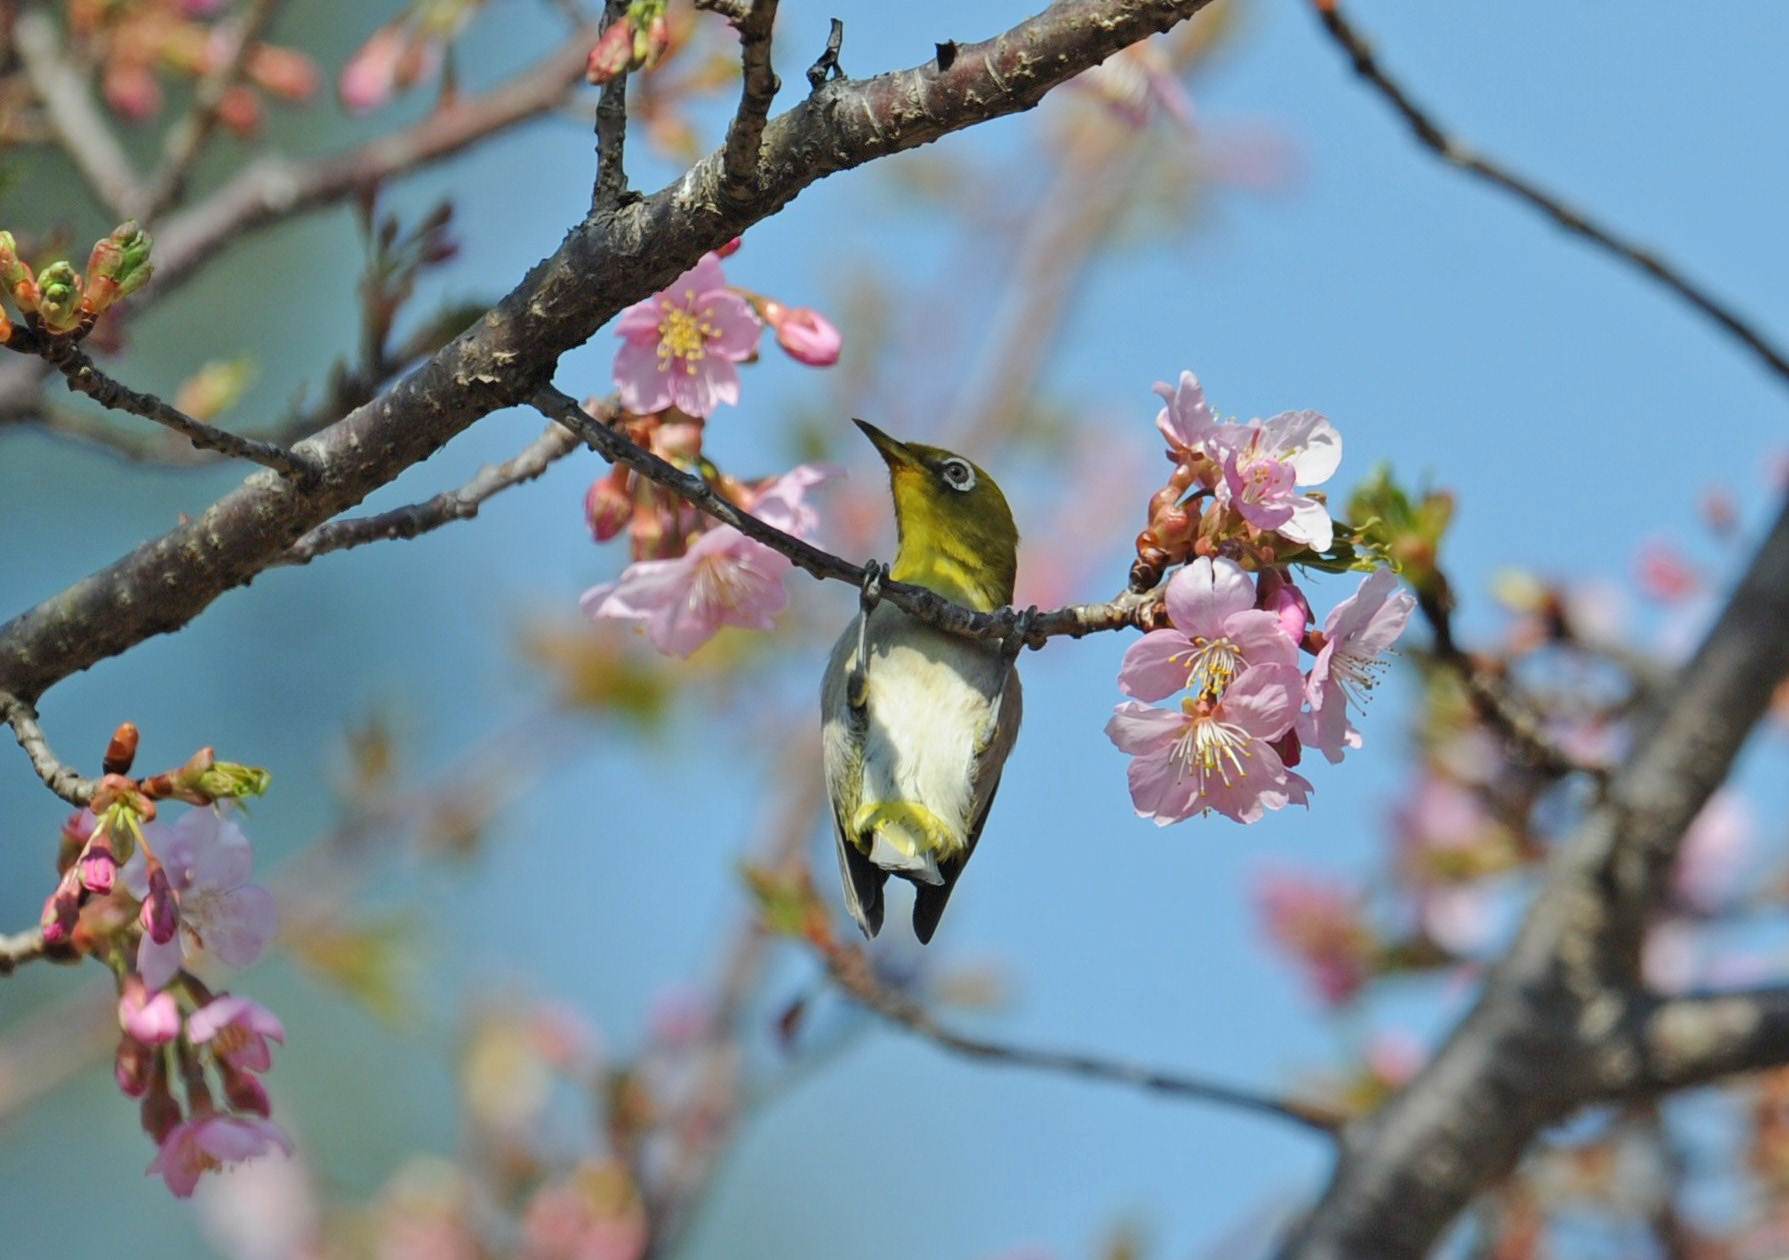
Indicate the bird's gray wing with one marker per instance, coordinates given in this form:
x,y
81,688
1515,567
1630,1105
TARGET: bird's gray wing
x,y
929,900
842,733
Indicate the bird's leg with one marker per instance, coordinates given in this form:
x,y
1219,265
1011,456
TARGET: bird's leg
x,y
857,681
1010,646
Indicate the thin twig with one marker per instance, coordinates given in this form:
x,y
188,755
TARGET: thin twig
x,y
186,138
56,775
85,378
1451,150
21,948
83,130
1520,727
849,968
611,132
759,84
1127,611
451,505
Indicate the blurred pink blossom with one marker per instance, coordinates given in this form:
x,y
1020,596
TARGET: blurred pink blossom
x,y
238,1030
1664,572
804,334
1714,851
1319,925
151,1018
207,859
679,346
724,579
210,1143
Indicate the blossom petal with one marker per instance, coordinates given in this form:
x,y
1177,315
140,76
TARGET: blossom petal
x,y
1307,441
158,963
1264,700
1140,729
738,325
239,923
1202,594
641,380
221,855
1156,666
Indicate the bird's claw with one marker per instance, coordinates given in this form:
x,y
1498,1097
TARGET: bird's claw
x,y
870,594
1019,632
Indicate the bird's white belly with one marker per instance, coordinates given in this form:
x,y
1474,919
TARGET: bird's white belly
x,y
924,718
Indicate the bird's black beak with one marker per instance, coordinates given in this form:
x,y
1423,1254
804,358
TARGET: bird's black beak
x,y
895,454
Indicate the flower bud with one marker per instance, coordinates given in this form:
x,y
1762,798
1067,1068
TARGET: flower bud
x,y
98,866
651,42
804,334
160,914
159,1112
59,296
122,750
62,908
286,73
134,1066
1277,594
612,54
609,504
243,1090
151,1018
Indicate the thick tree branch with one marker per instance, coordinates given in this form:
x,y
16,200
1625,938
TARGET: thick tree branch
x,y
850,970
1674,1043
1451,150
1544,1036
1076,621
84,132
603,265
450,505
83,377
759,84
57,776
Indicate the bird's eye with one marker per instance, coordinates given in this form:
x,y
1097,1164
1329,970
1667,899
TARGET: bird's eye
x,y
957,474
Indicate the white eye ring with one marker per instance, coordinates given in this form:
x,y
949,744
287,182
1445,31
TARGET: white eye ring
x,y
957,474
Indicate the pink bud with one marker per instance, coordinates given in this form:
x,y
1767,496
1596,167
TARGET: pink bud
x,y
806,335
612,54
732,247
62,908
131,90
370,77
608,505
1279,596
160,916
153,1019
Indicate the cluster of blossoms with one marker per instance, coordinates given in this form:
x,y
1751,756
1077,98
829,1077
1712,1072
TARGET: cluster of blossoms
x,y
676,365
135,42
60,301
1234,516
148,898
408,50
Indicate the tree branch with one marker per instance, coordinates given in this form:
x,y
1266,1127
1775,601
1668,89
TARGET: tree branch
x,y
849,967
449,506
85,378
1543,1037
1451,150
1076,621
759,84
602,265
82,129
1670,1043
611,132
21,948
57,776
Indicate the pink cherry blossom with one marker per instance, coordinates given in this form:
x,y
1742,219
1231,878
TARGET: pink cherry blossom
x,y
1213,754
1714,852
1264,463
1138,81
1187,421
1319,925
724,579
209,1143
152,1019
207,860
238,1030
1218,632
1357,633
679,345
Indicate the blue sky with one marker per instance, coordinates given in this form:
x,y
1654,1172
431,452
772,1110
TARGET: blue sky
x,y
1571,407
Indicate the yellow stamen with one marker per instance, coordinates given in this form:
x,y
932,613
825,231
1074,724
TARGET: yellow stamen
x,y
684,333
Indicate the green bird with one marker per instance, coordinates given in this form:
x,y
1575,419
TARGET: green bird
x,y
916,722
